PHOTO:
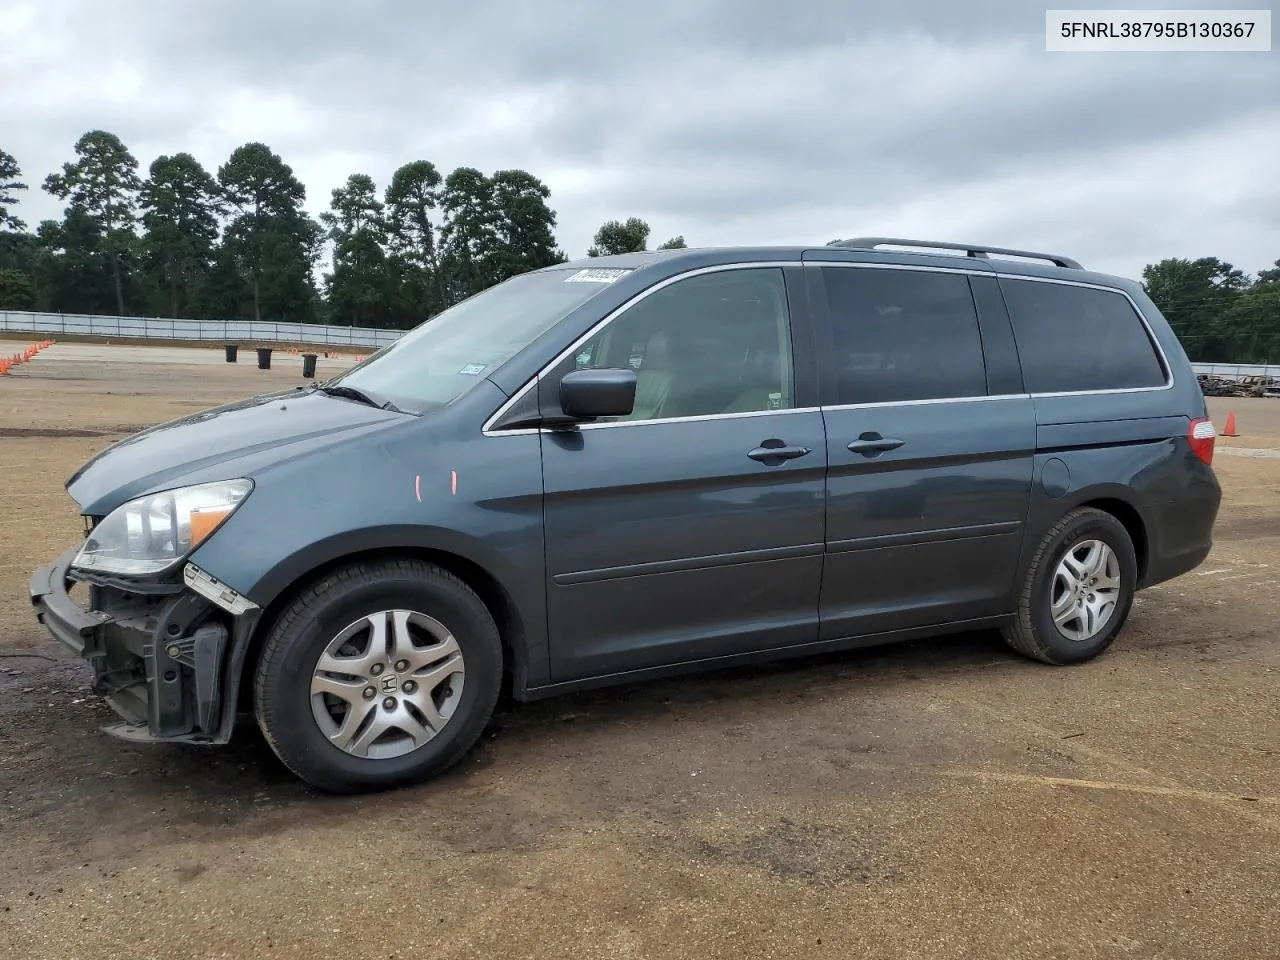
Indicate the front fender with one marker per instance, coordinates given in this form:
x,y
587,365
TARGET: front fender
x,y
474,497
410,538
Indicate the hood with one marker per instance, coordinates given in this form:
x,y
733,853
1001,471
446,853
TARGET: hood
x,y
266,429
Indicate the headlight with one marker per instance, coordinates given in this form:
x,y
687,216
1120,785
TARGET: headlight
x,y
150,534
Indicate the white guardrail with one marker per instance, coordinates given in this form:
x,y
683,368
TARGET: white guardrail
x,y
249,331
213,331
1235,371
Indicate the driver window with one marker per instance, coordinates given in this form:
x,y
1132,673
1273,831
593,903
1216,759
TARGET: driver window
x,y
710,344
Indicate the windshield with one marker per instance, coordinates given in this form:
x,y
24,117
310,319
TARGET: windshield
x,y
439,360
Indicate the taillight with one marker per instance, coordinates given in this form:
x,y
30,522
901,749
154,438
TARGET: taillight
x,y
1201,434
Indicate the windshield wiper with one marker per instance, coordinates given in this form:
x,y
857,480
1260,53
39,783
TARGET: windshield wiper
x,y
342,390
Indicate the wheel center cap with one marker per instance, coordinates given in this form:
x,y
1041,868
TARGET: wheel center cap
x,y
390,683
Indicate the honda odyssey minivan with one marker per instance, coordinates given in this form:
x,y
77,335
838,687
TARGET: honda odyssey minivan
x,y
633,466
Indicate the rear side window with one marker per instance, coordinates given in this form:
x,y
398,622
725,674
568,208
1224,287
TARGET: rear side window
x,y
1077,338
903,335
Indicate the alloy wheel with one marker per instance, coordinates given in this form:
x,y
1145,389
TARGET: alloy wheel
x,y
1085,590
387,684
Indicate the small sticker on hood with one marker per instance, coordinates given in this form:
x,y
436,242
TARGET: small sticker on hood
x,y
473,369
597,275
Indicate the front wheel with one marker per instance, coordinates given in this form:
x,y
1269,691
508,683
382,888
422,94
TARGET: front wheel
x,y
1078,590
378,675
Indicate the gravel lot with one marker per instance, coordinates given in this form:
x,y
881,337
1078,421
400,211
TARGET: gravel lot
x,y
936,799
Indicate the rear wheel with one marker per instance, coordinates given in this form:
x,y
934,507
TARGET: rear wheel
x,y
378,675
1078,590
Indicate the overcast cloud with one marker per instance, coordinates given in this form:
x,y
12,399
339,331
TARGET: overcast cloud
x,y
727,121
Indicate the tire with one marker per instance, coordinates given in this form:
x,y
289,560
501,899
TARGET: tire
x,y
1033,632
290,712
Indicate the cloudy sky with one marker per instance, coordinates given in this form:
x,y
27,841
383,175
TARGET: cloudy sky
x,y
727,121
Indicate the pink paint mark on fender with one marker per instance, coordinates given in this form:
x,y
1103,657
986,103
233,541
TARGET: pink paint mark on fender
x,y
453,482
417,487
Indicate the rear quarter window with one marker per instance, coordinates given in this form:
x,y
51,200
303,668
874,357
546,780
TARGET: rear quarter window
x,y
1079,338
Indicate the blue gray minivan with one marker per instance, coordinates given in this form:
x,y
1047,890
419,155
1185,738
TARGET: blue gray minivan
x,y
637,465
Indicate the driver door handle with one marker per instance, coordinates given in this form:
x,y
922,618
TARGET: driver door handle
x,y
773,456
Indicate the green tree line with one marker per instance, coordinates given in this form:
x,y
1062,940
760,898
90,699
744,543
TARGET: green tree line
x,y
1220,314
236,243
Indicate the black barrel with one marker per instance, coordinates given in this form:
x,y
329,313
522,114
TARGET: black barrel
x,y
308,364
232,350
264,358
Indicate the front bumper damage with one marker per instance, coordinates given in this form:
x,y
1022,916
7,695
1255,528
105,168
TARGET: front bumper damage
x,y
166,657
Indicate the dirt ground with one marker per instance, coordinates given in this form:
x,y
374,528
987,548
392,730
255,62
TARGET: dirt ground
x,y
943,799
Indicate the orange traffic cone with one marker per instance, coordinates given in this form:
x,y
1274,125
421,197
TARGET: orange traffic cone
x,y
1230,429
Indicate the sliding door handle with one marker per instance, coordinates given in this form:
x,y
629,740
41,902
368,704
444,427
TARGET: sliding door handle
x,y
870,443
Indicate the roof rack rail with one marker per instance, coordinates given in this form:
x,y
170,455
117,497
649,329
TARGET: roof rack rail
x,y
970,249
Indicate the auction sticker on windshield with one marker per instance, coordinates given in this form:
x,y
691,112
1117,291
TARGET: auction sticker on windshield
x,y
598,275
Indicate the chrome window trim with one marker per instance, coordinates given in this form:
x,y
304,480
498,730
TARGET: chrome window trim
x,y
1166,367
928,401
704,416
531,384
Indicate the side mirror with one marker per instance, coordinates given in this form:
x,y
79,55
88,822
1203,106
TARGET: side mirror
x,y
609,392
